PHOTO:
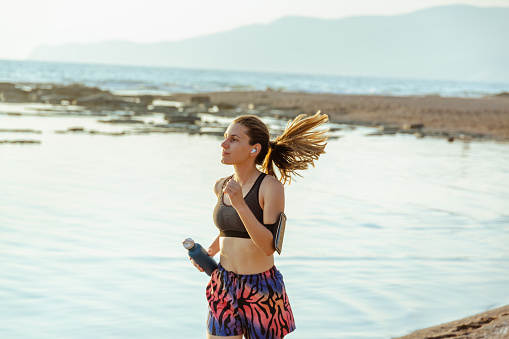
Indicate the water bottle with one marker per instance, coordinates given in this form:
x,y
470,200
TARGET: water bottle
x,y
200,256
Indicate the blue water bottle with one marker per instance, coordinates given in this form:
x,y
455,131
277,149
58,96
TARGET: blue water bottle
x,y
200,256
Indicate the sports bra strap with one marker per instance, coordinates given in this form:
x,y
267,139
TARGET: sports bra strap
x,y
224,184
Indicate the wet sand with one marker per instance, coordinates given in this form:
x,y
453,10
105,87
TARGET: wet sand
x,y
493,324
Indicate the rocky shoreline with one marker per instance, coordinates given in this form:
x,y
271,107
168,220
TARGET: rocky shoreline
x,y
430,116
451,118
492,324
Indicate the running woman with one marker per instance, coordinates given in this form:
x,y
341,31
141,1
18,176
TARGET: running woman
x,y
246,294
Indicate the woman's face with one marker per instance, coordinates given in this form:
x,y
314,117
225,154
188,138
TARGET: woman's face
x,y
235,147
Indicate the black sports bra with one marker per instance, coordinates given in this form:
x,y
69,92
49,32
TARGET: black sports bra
x,y
227,219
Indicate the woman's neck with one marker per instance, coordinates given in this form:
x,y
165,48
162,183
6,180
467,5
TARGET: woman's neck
x,y
245,174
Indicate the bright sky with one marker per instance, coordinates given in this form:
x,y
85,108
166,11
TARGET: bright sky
x,y
25,24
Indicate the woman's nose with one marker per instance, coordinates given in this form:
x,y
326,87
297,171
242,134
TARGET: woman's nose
x,y
224,144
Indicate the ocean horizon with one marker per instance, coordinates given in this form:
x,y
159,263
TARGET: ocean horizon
x,y
165,81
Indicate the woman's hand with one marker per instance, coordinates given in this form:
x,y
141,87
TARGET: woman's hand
x,y
209,252
234,191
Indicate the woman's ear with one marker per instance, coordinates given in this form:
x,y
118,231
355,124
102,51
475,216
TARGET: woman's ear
x,y
256,149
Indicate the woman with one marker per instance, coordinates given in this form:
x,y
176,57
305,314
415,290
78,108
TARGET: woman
x,y
246,294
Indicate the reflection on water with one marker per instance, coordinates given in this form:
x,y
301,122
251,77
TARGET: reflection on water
x,y
385,235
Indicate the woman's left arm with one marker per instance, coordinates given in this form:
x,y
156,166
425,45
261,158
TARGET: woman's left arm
x,y
273,198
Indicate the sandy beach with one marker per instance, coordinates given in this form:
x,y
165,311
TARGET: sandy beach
x,y
492,324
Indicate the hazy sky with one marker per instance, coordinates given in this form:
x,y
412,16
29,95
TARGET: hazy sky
x,y
25,24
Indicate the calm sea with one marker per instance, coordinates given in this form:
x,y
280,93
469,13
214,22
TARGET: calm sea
x,y
385,235
153,80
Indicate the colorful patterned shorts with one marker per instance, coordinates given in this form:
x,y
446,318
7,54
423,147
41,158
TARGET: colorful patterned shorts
x,y
255,305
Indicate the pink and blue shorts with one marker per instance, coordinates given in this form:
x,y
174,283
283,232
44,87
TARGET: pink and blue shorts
x,y
255,305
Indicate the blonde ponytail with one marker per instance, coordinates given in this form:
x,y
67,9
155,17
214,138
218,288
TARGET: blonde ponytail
x,y
297,148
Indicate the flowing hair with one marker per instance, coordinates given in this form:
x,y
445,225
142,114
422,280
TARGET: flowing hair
x,y
297,148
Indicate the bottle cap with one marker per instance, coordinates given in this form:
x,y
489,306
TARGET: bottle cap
x,y
188,243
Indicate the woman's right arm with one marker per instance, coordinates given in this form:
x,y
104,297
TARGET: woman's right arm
x,y
214,248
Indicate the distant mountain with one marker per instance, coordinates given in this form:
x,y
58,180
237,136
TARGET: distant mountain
x,y
450,42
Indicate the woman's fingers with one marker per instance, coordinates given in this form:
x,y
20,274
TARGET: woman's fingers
x,y
196,265
232,186
234,191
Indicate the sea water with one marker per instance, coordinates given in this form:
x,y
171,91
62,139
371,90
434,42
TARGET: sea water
x,y
384,236
159,80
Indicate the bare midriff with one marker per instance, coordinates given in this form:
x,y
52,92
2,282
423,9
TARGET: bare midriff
x,y
241,256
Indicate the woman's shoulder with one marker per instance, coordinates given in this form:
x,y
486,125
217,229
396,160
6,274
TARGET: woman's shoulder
x,y
272,195
271,184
